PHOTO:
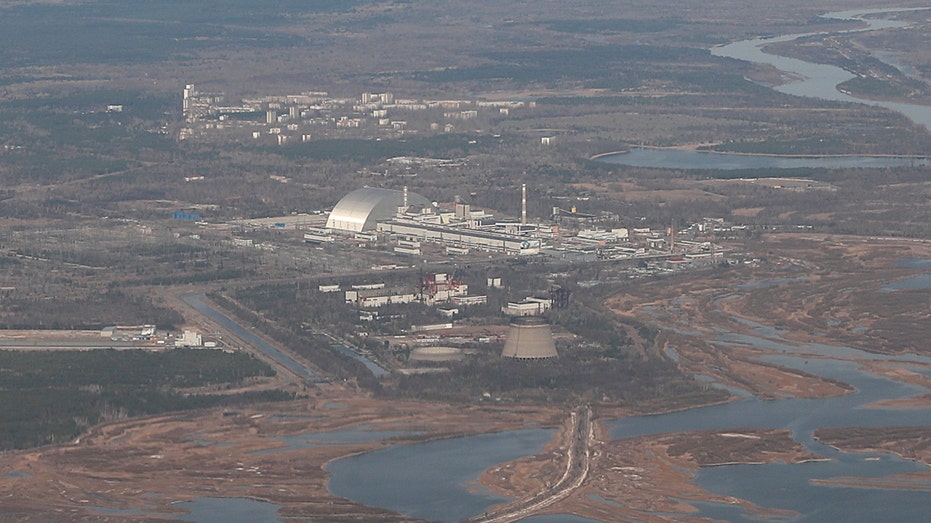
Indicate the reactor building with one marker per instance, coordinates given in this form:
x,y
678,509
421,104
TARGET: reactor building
x,y
409,219
363,208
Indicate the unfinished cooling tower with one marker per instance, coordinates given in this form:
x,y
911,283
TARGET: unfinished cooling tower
x,y
529,337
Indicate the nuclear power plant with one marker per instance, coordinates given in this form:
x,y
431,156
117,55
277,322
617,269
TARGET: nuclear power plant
x,y
529,338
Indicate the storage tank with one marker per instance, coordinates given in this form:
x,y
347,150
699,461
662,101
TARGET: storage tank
x,y
440,354
529,337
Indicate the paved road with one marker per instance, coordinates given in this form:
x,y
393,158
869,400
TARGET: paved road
x,y
578,463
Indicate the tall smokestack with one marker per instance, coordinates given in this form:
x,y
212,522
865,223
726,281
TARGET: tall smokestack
x,y
523,204
672,237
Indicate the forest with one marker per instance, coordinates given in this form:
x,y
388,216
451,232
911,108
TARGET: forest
x,y
53,396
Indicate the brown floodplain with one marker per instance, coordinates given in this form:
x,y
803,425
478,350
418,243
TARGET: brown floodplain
x,y
830,290
144,467
908,442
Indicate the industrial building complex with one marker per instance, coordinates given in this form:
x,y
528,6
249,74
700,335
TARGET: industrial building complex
x,y
410,222
392,253
408,219
407,224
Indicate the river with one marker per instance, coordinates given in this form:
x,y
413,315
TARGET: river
x,y
411,478
810,80
820,80
434,480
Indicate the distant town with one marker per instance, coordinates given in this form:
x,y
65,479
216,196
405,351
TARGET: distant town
x,y
315,115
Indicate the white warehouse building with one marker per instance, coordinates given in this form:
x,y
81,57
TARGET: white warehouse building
x,y
461,237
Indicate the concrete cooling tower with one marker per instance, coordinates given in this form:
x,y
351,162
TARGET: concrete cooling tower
x,y
529,337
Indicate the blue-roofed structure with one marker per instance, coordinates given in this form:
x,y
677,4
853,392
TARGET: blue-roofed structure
x,y
184,215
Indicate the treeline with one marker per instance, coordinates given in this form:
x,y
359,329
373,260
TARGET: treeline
x,y
84,310
52,396
588,26
215,274
578,374
626,66
48,35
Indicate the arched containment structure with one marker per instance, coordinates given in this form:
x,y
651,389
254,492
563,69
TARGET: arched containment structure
x,y
361,209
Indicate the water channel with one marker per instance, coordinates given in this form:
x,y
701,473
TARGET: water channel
x,y
246,334
411,478
197,301
434,480
820,80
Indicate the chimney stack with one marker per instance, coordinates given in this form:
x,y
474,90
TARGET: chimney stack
x,y
523,204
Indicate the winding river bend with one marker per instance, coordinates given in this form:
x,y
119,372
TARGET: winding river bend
x,y
809,80
820,80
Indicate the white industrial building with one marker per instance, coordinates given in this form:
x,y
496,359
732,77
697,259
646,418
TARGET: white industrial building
x,y
371,298
461,237
189,339
408,219
528,307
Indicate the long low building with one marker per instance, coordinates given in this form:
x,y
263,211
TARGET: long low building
x,y
371,298
528,307
461,237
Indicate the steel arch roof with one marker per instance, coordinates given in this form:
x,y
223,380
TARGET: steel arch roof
x,y
361,209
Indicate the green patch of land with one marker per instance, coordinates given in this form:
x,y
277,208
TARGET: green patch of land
x,y
52,396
